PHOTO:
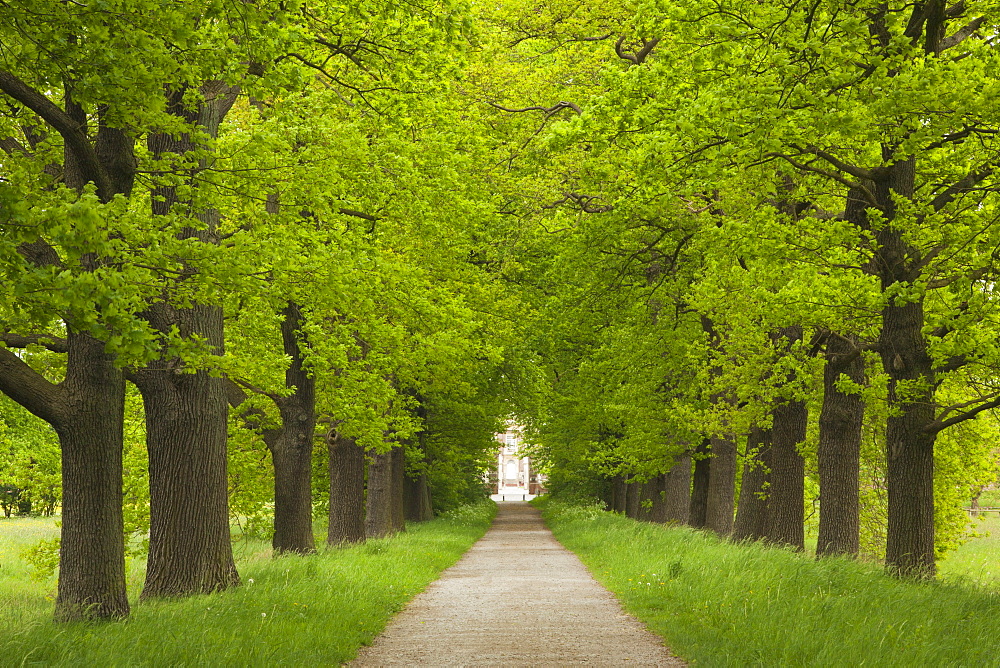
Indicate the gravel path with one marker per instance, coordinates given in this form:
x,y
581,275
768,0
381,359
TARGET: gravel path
x,y
516,598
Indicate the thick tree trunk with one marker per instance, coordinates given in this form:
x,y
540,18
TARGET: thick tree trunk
x,y
751,513
910,449
786,499
379,502
906,360
840,425
618,494
721,486
677,491
398,489
699,486
347,490
186,420
658,494
186,413
87,412
418,499
632,499
291,447
648,491
87,408
92,546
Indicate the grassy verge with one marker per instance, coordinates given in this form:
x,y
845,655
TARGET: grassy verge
x,y
296,611
977,561
720,604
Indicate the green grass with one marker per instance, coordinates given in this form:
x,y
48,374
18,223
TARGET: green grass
x,y
292,611
976,562
720,604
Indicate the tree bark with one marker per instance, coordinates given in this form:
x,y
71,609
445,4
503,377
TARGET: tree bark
x,y
92,545
618,494
839,451
721,486
677,491
418,499
347,490
648,491
658,495
751,513
291,446
398,489
189,545
786,499
699,486
186,413
632,499
906,360
378,502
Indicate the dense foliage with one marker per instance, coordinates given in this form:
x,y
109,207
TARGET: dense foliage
x,y
704,239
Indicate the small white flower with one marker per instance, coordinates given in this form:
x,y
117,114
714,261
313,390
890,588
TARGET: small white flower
x,y
263,614
250,581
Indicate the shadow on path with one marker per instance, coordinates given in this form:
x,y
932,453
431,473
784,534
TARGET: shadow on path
x,y
518,598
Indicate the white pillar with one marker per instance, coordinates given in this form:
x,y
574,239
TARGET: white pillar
x,y
500,470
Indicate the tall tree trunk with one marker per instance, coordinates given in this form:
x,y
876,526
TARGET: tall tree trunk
x,y
378,501
648,490
186,413
87,412
291,446
786,498
658,494
398,487
699,486
418,499
87,408
677,490
721,486
347,490
906,360
840,423
910,449
189,545
416,490
618,493
751,513
632,499
92,546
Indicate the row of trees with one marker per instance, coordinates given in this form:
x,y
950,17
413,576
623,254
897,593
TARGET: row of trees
x,y
777,255
255,216
740,253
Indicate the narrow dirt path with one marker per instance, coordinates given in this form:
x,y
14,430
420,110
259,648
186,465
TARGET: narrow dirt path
x,y
516,598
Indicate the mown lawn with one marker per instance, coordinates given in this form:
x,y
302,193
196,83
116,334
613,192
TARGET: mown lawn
x,y
720,604
294,611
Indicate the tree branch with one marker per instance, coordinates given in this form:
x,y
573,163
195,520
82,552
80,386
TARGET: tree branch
x,y
639,56
853,170
359,214
827,173
939,425
28,387
971,179
962,34
71,132
548,110
47,341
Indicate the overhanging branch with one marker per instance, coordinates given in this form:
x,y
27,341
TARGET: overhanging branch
x,y
70,131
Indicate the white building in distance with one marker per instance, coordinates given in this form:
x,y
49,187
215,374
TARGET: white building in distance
x,y
514,474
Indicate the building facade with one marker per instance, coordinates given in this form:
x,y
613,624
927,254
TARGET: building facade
x,y
514,472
